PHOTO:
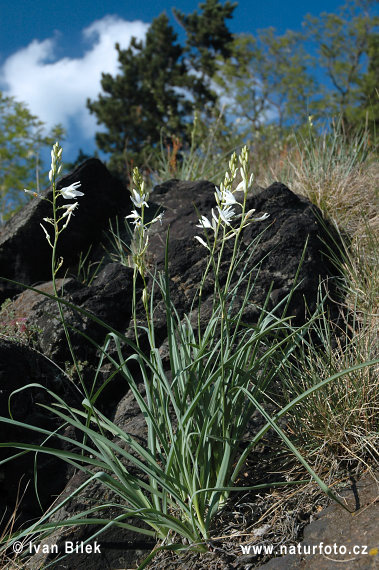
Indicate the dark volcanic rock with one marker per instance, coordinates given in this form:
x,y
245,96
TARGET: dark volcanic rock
x,y
280,241
273,253
109,298
24,252
19,366
339,538
278,248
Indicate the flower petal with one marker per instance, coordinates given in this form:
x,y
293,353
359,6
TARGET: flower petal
x,y
199,239
204,223
69,209
71,191
229,198
261,218
135,215
138,199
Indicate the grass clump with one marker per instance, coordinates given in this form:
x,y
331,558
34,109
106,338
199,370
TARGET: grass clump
x,y
338,172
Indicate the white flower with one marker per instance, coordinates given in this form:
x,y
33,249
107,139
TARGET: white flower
x,y
135,215
158,218
205,223
47,235
69,209
248,218
199,239
68,213
229,198
224,197
261,218
139,200
71,191
218,194
244,185
226,214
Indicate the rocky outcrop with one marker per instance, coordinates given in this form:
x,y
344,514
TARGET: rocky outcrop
x,y
338,538
284,255
21,366
275,247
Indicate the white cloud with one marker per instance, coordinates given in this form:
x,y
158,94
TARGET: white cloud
x,y
56,90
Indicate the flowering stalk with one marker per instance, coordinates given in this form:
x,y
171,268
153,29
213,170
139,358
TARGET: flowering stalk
x,y
222,219
138,249
140,242
61,216
225,213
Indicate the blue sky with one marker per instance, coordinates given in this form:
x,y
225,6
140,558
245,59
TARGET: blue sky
x,y
52,52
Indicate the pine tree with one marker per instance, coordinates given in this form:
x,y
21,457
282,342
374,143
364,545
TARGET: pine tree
x,y
159,85
208,38
142,98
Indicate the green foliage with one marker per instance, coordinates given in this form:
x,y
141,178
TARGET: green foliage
x,y
141,100
206,158
344,41
368,111
342,418
266,80
87,269
270,79
329,161
22,139
261,82
207,37
156,89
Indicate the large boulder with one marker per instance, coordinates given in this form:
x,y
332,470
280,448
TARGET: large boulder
x,y
24,252
108,298
20,366
291,245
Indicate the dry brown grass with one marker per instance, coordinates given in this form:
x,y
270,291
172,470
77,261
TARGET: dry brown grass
x,y
345,187
341,177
